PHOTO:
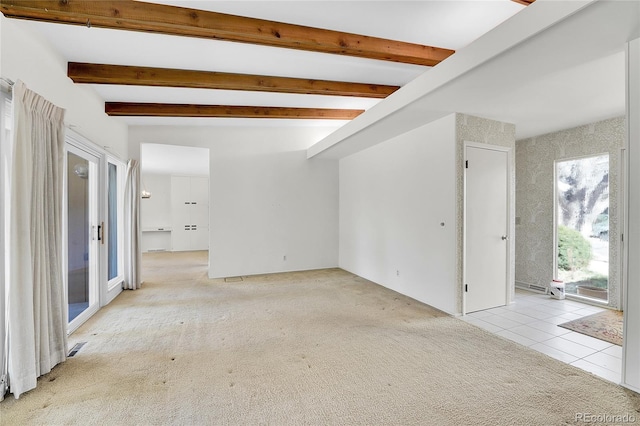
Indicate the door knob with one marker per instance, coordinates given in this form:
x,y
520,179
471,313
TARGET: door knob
x,y
504,238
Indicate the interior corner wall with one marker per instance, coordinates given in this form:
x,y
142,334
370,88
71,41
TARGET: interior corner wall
x,y
271,209
535,163
490,132
27,56
394,198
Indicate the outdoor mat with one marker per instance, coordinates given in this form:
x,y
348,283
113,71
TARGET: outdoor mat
x,y
605,326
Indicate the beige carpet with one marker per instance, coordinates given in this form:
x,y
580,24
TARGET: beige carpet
x,y
319,347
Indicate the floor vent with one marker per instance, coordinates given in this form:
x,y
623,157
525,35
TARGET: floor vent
x,y
156,250
74,350
232,279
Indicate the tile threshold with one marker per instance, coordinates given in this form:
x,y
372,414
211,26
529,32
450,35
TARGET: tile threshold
x,y
581,352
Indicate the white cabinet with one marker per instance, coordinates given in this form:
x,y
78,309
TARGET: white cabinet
x,y
189,213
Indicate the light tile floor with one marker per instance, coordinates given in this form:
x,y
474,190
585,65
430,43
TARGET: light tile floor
x,y
532,320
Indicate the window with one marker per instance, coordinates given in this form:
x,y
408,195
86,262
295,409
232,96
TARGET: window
x,y
582,226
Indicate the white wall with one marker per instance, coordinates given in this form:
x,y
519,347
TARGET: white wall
x,y
393,199
155,212
535,167
631,346
28,57
267,200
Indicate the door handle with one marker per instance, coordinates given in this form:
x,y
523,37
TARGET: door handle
x,y
101,233
504,238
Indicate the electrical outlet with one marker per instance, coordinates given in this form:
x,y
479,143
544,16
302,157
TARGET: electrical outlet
x,y
284,258
397,273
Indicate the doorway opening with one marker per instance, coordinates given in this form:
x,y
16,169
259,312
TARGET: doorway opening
x,y
174,210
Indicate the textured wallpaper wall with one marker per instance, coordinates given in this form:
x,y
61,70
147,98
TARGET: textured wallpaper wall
x,y
480,130
535,157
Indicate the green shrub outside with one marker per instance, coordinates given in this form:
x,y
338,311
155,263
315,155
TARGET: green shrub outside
x,y
574,251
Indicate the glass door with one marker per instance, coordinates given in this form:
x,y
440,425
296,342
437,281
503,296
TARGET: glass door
x,y
84,233
113,238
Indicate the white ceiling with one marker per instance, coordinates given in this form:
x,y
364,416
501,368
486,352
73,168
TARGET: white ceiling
x,y
569,97
537,102
543,71
448,24
451,24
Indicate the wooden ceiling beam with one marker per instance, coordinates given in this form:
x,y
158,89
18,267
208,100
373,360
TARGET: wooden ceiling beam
x,y
134,109
163,77
524,2
180,21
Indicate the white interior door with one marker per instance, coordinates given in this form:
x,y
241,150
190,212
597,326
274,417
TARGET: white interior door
x,y
486,228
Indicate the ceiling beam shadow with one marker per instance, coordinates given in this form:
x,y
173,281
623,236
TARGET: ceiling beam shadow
x,y
163,77
180,21
135,109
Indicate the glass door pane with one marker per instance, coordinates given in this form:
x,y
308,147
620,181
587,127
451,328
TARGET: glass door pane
x,y
582,188
113,243
112,221
82,233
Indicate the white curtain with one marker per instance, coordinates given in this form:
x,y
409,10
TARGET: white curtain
x,y
37,303
132,227
5,117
